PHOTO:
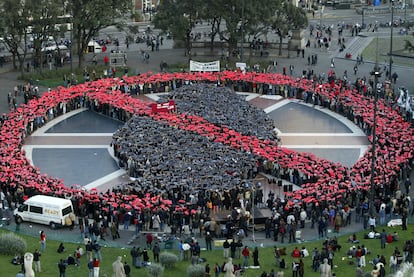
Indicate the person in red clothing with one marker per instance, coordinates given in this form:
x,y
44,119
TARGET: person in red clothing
x,y
95,267
358,255
389,238
296,253
106,60
42,241
150,238
246,254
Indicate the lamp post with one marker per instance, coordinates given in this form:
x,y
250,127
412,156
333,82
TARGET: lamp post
x,y
363,17
320,17
376,73
405,11
242,33
391,37
253,206
71,43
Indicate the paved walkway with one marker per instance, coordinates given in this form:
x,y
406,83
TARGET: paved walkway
x,y
355,46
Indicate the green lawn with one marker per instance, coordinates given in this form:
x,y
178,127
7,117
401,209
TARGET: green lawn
x,y
383,46
50,258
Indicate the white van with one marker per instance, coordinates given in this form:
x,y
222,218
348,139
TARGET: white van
x,y
48,210
94,47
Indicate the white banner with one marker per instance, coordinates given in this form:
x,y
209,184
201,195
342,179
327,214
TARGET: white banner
x,y
203,67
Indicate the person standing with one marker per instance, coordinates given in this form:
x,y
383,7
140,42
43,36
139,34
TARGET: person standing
x,y
89,250
195,258
216,270
393,264
207,270
36,260
95,267
371,222
42,241
118,268
246,254
90,268
127,270
62,268
226,249
145,257
134,255
139,258
228,268
97,250
233,246
295,269
256,257
208,239
17,221
78,255
325,269
301,268
156,251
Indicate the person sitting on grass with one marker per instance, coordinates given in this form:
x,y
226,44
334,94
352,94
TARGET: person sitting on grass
x,y
70,260
61,248
353,239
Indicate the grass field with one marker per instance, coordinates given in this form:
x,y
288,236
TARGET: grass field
x,y
383,46
50,258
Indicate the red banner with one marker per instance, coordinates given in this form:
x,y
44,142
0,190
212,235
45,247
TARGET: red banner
x,y
163,107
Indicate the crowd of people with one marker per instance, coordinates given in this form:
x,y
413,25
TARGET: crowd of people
x,y
323,182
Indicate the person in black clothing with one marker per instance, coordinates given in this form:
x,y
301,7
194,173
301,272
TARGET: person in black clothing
x,y
268,227
226,248
282,264
62,268
61,248
36,260
127,269
145,256
233,246
70,260
256,257
196,254
209,240
207,270
156,251
134,255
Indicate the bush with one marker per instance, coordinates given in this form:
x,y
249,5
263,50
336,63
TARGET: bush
x,y
168,259
195,271
155,270
10,244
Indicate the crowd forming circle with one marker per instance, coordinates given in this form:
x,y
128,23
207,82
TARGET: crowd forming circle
x,y
329,182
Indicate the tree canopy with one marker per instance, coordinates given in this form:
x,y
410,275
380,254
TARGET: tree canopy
x,y
14,28
91,16
230,20
34,22
178,17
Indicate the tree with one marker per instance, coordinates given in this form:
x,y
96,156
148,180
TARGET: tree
x,y
288,17
14,25
91,16
179,18
44,19
211,12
